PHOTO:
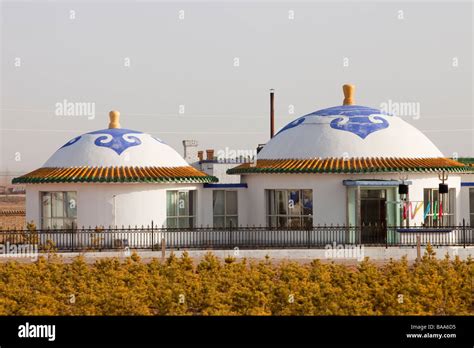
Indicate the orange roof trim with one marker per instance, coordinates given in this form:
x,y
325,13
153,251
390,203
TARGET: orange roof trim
x,y
116,174
351,165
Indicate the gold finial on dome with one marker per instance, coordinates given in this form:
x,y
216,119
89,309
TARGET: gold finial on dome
x,y
348,94
114,119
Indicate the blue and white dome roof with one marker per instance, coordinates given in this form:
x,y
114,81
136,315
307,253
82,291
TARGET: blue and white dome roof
x,y
349,131
115,147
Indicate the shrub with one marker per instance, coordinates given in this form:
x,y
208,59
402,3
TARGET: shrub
x,y
180,286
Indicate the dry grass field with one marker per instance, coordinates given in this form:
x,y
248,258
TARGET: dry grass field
x,y
10,203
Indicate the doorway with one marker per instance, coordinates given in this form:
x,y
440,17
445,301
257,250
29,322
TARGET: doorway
x,y
373,216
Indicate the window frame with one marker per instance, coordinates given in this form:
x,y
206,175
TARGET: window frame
x,y
274,215
66,219
449,208
471,206
191,209
227,217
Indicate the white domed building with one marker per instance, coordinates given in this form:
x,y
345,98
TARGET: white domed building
x,y
343,166
349,165
114,177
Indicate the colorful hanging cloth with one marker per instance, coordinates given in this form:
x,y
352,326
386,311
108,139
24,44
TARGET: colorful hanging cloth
x,y
427,210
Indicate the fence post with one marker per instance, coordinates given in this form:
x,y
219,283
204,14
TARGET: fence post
x,y
418,247
308,237
163,248
152,237
230,233
464,232
72,237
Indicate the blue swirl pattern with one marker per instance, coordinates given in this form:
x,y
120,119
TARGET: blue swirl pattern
x,y
360,125
359,120
117,139
71,142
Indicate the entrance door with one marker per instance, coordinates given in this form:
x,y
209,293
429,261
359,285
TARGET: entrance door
x,y
373,216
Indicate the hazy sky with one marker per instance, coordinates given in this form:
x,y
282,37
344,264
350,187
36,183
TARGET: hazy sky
x,y
142,59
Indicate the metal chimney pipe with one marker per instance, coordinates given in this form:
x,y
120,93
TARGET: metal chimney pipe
x,y
272,113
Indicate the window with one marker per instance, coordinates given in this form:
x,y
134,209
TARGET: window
x,y
180,209
58,210
224,205
439,211
289,208
471,206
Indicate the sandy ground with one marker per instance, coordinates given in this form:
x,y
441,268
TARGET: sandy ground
x,y
148,256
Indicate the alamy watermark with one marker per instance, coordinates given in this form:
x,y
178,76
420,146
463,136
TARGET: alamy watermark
x,y
28,330
342,251
229,155
403,109
68,108
10,250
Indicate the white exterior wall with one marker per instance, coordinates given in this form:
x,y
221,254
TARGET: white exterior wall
x,y
135,204
329,193
139,204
